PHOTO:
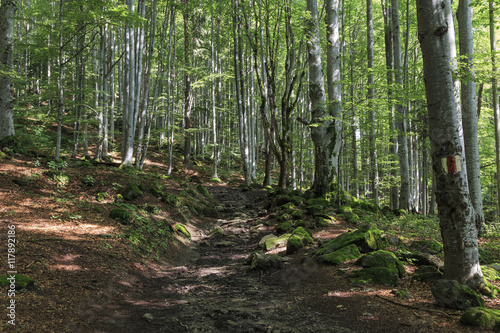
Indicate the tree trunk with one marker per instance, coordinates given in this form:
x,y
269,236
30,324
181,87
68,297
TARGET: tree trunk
x,y
494,88
456,213
469,112
7,11
60,86
405,196
188,100
333,78
323,130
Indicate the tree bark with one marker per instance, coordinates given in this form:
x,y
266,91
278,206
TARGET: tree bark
x,y
188,100
7,11
322,129
469,112
456,213
494,88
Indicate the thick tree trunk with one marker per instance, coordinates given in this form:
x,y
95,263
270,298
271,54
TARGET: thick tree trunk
x,y
469,112
7,11
456,213
323,129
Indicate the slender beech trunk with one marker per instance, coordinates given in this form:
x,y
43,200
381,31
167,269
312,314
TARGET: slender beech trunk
x,y
7,11
60,86
188,100
333,78
456,212
405,196
469,111
494,88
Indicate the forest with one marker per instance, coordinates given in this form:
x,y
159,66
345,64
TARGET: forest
x,y
390,106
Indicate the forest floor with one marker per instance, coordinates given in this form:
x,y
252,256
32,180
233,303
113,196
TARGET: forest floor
x,y
89,280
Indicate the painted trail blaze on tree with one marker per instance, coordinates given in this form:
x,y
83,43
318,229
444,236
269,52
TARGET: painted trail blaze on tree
x,y
456,213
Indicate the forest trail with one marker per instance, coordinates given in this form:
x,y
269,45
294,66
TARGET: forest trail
x,y
212,289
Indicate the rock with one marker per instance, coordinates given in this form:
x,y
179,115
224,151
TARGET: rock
x,y
282,199
299,238
342,255
421,259
18,280
258,260
273,242
482,317
394,240
121,214
402,294
453,295
367,239
378,275
490,272
382,258
284,227
148,317
427,246
217,231
225,244
427,274
131,192
203,191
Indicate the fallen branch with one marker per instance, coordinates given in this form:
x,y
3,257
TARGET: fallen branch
x,y
420,309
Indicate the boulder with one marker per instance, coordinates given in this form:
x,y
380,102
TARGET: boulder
x,y
421,259
342,255
367,239
453,295
482,317
121,214
258,260
284,227
271,242
384,259
427,274
298,239
131,192
377,275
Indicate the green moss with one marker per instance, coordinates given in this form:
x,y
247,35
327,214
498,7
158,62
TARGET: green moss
x,y
299,238
131,192
121,214
385,259
277,242
3,156
427,273
284,217
172,199
367,239
21,281
290,207
342,255
182,229
284,227
156,191
427,246
490,273
297,200
282,199
377,275
321,221
298,214
482,317
203,191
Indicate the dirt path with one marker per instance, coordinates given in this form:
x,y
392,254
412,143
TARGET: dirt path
x,y
212,289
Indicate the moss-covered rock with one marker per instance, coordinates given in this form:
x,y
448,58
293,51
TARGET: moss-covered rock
x,y
258,260
271,242
377,275
402,293
282,199
298,239
367,239
101,196
18,281
284,227
297,200
203,191
321,221
482,317
156,191
121,214
490,273
427,273
342,255
427,246
284,217
453,295
297,214
172,200
182,230
382,258
131,192
420,259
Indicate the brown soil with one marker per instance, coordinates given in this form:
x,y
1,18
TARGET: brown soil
x,y
88,280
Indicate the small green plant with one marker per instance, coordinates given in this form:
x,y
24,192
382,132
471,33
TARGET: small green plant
x,y
37,163
88,180
61,179
55,166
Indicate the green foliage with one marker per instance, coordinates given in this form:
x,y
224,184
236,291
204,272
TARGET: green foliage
x,y
489,252
121,214
88,180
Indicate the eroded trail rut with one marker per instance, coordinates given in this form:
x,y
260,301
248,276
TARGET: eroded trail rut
x,y
216,291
